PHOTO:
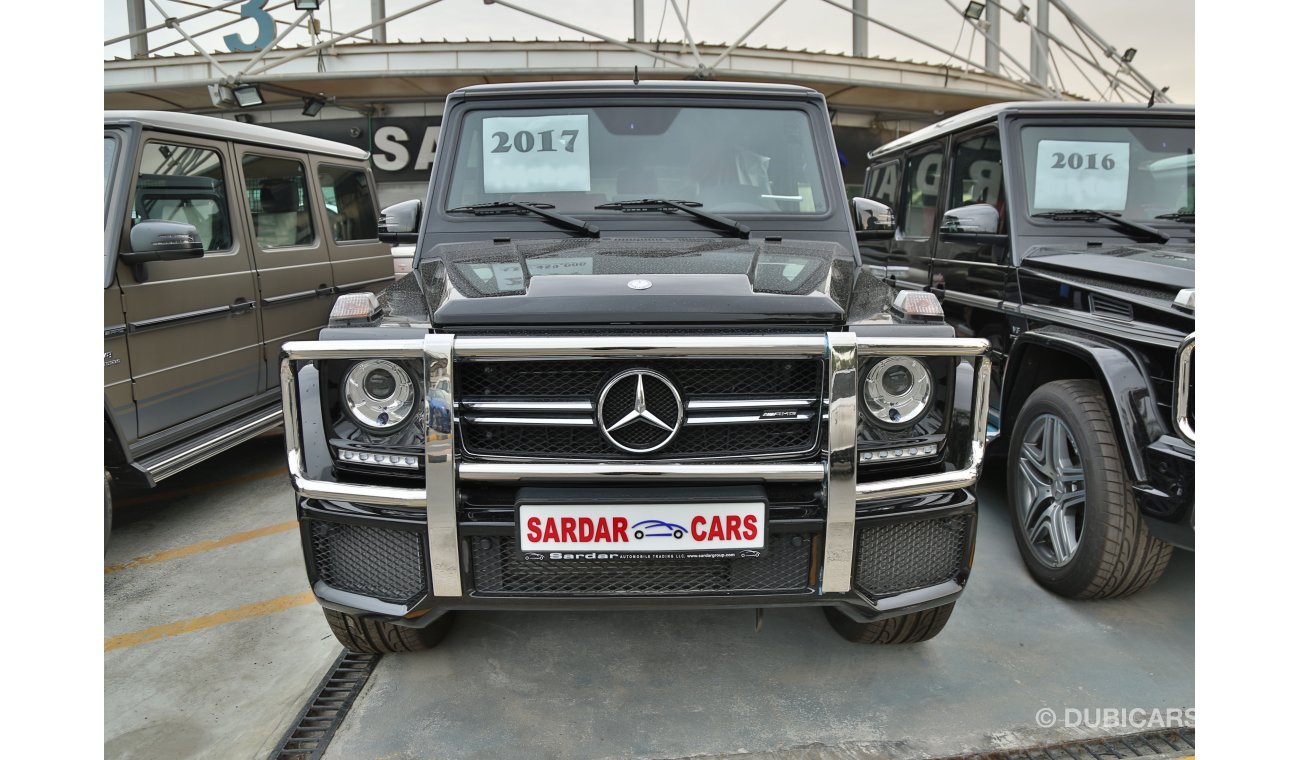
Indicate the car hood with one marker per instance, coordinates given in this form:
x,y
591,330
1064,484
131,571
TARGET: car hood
x,y
537,283
1162,268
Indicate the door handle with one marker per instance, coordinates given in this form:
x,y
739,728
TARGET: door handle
x,y
324,290
241,306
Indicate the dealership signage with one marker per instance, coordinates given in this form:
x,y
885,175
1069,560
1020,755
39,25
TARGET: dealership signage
x,y
403,146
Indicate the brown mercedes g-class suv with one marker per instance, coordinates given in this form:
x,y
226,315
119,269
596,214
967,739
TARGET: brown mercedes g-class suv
x,y
222,241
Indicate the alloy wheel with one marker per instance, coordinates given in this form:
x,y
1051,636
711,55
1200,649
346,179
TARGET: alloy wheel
x,y
1049,491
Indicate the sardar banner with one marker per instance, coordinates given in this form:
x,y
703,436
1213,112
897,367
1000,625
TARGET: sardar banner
x,y
403,146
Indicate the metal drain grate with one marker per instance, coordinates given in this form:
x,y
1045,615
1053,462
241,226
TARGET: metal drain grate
x,y
311,731
1172,742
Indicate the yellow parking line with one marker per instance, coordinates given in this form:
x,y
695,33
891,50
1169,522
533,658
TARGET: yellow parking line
x,y
202,546
256,609
161,494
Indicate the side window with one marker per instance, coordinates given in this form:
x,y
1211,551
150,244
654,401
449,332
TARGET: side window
x,y
977,172
923,174
882,184
349,203
277,199
187,184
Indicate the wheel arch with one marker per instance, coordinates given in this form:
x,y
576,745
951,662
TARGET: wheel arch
x,y
1055,353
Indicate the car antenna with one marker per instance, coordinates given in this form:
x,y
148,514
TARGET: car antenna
x,y
1152,101
636,76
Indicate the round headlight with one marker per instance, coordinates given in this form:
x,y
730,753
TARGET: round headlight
x,y
897,390
378,395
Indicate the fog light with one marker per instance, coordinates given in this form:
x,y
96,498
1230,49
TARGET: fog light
x,y
910,452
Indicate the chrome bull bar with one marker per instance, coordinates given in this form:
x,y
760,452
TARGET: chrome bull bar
x,y
1183,388
438,497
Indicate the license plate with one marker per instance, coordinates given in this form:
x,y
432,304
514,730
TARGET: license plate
x,y
588,531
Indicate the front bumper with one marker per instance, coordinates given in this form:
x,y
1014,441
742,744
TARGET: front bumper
x,y
859,534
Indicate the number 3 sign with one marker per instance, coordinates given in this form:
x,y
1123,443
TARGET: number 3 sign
x,y
1081,174
536,154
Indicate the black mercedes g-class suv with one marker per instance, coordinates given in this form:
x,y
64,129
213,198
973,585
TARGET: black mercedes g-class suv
x,y
1062,233
638,364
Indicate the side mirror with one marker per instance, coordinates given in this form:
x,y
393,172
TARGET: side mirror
x,y
978,218
400,223
162,241
873,219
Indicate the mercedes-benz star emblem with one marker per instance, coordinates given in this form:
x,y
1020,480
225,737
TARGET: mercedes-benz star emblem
x,y
639,411
639,284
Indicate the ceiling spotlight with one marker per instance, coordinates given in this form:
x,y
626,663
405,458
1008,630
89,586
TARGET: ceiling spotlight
x,y
306,5
1129,55
1022,14
974,10
248,96
312,106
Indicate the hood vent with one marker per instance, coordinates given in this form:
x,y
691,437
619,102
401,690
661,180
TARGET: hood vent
x,y
1111,308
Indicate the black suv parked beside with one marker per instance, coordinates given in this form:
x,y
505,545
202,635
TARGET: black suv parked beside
x,y
1062,233
637,364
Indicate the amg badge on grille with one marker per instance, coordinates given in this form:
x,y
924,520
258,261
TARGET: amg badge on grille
x,y
639,411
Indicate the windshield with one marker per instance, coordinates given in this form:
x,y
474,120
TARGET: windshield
x,y
1140,173
729,160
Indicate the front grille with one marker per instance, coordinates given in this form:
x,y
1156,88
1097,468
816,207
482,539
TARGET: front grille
x,y
746,381
376,562
903,556
783,568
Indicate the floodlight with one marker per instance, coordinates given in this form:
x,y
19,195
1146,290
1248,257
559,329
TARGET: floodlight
x,y
1022,13
248,95
1129,55
974,10
306,5
312,106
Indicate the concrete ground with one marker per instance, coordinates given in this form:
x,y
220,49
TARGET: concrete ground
x,y
211,648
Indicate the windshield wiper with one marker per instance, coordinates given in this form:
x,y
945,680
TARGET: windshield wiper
x,y
1179,216
1092,215
512,207
690,207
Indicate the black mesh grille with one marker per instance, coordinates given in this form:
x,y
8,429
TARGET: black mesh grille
x,y
587,442
694,377
376,562
903,556
698,379
783,568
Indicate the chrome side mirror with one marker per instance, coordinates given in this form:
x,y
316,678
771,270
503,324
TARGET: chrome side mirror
x,y
873,216
977,217
400,222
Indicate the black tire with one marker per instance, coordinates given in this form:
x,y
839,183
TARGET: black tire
x,y
108,512
369,635
1115,554
912,628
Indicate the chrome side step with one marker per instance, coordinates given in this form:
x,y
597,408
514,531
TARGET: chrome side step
x,y
171,461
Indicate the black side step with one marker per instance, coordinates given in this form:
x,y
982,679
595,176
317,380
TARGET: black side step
x,y
310,733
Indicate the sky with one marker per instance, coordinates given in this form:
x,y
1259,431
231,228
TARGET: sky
x,y
1161,30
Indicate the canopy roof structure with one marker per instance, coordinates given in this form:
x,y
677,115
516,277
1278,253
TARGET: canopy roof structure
x,y
198,57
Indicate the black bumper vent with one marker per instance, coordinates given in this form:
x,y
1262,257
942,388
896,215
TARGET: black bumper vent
x,y
783,568
376,562
903,556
